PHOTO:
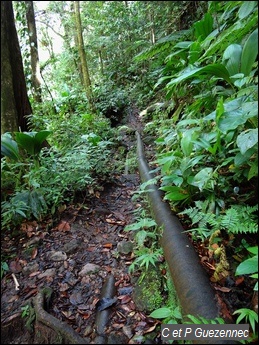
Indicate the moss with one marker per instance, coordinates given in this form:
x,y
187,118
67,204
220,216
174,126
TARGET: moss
x,y
147,293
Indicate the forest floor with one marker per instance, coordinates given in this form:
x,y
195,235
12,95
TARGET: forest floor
x,y
77,256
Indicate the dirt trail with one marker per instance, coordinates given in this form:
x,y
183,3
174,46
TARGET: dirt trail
x,y
74,258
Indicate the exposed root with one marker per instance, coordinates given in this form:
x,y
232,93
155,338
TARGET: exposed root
x,y
62,329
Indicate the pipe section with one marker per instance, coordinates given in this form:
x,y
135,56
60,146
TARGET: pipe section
x,y
191,282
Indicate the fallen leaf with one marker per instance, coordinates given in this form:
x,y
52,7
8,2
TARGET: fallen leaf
x,y
33,274
150,329
34,253
113,221
239,280
222,288
124,299
31,293
68,315
107,245
85,314
29,228
63,226
108,268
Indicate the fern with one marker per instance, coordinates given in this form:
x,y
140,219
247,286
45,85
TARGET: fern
x,y
237,219
230,220
247,220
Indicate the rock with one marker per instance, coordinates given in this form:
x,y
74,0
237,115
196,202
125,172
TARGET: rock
x,y
30,268
146,294
125,247
50,272
89,268
71,247
117,338
57,256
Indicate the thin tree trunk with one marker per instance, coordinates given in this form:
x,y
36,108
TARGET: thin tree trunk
x,y
86,77
101,61
15,104
35,65
152,27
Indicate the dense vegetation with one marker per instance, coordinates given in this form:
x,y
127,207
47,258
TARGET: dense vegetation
x,y
196,63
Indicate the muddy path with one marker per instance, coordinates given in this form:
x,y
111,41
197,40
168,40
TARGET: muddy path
x,y
75,258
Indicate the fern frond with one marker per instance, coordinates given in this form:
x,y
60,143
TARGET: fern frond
x,y
230,220
207,219
241,219
245,228
193,213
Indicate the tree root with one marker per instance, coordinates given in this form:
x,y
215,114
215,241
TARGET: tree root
x,y
62,329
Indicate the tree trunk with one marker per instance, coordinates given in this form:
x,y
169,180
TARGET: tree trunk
x,y
14,98
86,77
35,65
152,27
101,61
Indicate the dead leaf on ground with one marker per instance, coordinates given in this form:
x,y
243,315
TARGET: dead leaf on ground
x,y
222,288
239,280
29,228
124,299
34,253
85,314
68,315
63,226
33,274
114,221
150,329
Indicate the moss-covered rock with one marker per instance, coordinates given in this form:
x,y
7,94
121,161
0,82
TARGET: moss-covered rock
x,y
147,291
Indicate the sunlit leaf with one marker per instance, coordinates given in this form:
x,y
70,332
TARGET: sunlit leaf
x,y
201,178
161,313
248,266
9,147
249,53
246,8
232,55
247,139
217,70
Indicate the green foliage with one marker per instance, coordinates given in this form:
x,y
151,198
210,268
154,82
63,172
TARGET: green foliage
x,y
29,142
168,315
22,205
25,311
32,142
205,156
235,220
144,223
9,147
250,265
249,315
200,320
13,211
145,257
4,268
73,163
110,100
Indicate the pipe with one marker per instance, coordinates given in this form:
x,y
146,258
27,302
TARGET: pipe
x,y
191,282
102,317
